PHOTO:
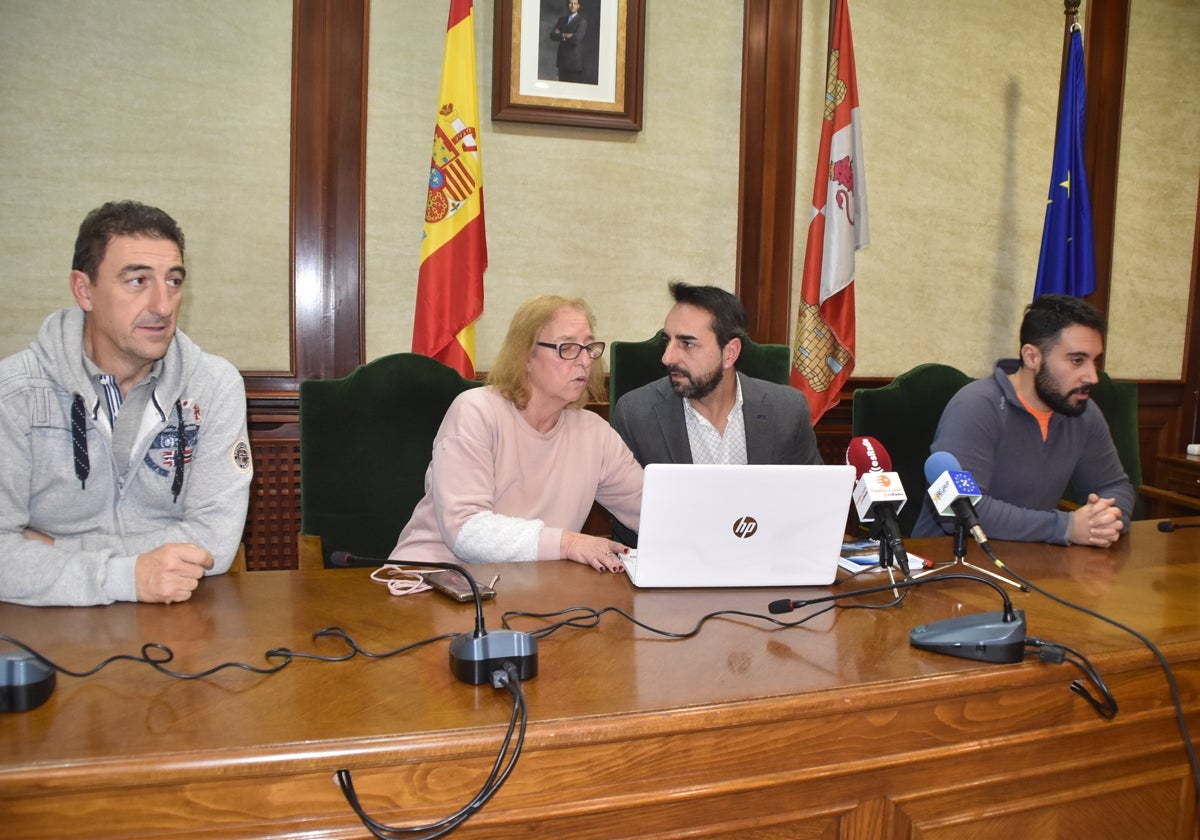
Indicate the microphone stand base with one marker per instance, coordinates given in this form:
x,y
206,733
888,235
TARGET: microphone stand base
x,y
986,637
961,541
473,658
958,561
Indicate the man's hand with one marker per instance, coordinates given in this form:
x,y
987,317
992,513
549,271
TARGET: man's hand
x,y
601,554
170,573
1097,523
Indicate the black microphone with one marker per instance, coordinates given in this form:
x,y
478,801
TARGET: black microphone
x,y
989,637
1168,526
954,489
878,495
474,657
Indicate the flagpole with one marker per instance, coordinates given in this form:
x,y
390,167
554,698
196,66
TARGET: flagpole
x,y
1071,13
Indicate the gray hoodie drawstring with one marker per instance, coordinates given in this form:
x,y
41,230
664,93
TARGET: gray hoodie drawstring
x,y
83,464
177,481
79,444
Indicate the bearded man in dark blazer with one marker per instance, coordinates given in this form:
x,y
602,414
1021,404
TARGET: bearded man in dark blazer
x,y
703,411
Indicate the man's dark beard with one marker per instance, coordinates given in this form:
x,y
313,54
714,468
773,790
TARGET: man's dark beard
x,y
695,389
1044,384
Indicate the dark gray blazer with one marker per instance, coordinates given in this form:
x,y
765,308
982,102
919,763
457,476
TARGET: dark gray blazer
x,y
778,428
777,419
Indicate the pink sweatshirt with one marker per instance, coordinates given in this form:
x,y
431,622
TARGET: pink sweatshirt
x,y
498,490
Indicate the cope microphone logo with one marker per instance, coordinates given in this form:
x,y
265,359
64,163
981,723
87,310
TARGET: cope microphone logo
x,y
745,527
875,467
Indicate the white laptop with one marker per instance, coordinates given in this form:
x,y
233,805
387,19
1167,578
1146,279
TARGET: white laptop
x,y
748,525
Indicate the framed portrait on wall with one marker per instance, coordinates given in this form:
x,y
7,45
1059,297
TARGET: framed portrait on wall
x,y
569,62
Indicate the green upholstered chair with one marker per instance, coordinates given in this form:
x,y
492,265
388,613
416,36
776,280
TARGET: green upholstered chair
x,y
633,364
1118,401
365,443
903,416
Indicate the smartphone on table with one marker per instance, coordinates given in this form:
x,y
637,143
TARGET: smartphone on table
x,y
453,585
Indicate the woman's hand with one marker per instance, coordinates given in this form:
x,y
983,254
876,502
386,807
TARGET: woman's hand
x,y
603,555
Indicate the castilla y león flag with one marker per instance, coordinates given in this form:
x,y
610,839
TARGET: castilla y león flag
x,y
454,245
823,352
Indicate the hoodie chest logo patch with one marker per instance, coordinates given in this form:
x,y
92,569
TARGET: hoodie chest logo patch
x,y
162,454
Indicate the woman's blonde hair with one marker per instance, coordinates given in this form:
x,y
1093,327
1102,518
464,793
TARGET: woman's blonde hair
x,y
508,375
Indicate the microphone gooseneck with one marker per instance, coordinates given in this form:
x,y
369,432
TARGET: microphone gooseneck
x,y
344,558
786,605
478,657
987,637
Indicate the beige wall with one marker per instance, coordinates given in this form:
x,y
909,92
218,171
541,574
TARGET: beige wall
x,y
1156,200
605,215
185,106
958,134
192,112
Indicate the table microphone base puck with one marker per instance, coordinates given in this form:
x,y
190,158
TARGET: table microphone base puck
x,y
26,682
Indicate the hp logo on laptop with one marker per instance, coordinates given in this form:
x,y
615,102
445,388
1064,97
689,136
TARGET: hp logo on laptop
x,y
745,527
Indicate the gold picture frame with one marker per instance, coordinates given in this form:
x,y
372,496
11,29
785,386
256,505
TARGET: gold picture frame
x,y
526,83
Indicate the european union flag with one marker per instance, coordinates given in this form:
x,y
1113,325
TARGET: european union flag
x,y
1067,264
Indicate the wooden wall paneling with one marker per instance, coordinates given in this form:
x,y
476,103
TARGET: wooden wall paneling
x,y
1158,420
766,213
1189,431
1164,409
326,286
328,187
273,518
1106,48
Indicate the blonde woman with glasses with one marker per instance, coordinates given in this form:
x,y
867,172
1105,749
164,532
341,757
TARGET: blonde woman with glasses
x,y
517,464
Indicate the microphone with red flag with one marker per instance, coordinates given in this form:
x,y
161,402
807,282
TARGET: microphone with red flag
x,y
878,496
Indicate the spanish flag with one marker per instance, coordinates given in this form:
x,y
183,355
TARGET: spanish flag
x,y
454,245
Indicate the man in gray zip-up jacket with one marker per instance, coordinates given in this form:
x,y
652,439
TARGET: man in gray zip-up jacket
x,y
1030,428
124,463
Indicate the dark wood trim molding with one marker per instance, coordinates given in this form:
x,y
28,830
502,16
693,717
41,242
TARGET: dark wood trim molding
x,y
1106,48
328,186
766,213
1190,404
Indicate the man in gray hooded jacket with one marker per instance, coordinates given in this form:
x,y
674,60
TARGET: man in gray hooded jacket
x,y
124,463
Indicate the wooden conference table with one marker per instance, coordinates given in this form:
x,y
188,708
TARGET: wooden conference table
x,y
836,728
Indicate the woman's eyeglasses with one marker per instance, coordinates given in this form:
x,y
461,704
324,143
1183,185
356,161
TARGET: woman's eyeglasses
x,y
571,349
